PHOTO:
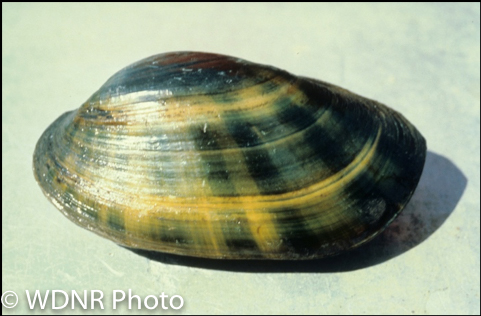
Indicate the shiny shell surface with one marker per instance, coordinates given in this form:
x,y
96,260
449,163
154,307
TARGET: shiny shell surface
x,y
213,156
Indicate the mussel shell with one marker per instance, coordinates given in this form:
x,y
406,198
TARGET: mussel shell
x,y
213,156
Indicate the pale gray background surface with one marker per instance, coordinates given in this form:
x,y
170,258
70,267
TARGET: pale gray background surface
x,y
422,60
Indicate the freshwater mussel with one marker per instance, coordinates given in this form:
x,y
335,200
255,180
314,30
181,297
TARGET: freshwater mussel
x,y
213,156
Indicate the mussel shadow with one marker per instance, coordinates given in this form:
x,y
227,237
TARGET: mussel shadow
x,y
441,186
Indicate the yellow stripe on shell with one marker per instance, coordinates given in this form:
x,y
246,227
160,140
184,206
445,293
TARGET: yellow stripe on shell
x,y
203,211
334,183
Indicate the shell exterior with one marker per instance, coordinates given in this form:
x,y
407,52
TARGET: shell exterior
x,y
213,156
